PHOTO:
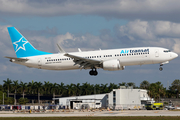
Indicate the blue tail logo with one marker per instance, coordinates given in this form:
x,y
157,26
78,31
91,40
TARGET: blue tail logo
x,y
21,46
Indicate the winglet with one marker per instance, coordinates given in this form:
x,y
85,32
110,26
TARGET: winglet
x,y
61,49
79,50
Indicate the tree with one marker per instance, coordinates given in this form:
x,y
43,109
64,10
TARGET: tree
x,y
23,87
87,89
176,87
122,84
112,86
104,88
7,100
78,89
156,90
31,87
71,89
23,101
130,84
144,85
1,88
97,89
7,85
46,87
61,89
38,88
15,87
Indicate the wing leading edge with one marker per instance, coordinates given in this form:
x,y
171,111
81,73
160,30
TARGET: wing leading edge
x,y
84,62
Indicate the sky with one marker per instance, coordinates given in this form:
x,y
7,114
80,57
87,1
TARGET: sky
x,y
90,25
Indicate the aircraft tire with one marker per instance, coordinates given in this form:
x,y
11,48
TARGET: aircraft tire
x,y
160,68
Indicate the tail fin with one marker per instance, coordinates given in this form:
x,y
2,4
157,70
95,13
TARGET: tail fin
x,y
21,46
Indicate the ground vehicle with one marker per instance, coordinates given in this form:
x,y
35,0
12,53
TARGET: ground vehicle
x,y
154,106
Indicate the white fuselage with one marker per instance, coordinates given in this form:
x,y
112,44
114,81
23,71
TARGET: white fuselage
x,y
126,56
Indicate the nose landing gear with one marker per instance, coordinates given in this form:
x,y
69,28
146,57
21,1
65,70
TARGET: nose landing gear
x,y
93,72
161,67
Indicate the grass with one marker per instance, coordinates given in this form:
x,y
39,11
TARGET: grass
x,y
95,118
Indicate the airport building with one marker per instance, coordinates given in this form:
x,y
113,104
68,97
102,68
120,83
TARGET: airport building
x,y
123,98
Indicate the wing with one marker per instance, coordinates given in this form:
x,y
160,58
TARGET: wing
x,y
84,62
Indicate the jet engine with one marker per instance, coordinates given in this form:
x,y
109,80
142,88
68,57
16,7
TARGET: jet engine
x,y
112,65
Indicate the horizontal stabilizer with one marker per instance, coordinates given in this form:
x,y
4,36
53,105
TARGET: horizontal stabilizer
x,y
16,59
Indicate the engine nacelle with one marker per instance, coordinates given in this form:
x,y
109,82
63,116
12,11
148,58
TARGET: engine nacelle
x,y
112,65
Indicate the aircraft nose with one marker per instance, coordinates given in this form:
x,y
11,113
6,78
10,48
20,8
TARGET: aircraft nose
x,y
174,55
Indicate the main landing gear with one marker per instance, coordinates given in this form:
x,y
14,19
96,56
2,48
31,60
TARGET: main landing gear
x,y
93,72
161,67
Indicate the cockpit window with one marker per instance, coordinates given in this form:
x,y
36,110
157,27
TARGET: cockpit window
x,y
167,51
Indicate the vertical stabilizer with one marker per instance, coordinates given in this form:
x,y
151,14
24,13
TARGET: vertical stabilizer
x,y
21,46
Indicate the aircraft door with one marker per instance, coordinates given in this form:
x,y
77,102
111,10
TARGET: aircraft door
x,y
156,53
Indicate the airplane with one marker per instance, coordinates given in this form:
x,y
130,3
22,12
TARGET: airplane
x,y
111,60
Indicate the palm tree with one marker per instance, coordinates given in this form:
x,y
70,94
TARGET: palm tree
x,y
7,85
38,88
31,87
70,89
176,87
97,89
144,84
78,89
156,90
15,87
87,88
130,84
112,86
23,87
104,88
61,89
122,84
46,87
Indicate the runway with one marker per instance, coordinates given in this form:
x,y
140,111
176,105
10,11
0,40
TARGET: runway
x,y
103,113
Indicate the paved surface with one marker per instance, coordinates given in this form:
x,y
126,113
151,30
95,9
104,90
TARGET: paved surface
x,y
104,113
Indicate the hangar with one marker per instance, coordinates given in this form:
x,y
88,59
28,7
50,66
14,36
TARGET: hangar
x,y
122,98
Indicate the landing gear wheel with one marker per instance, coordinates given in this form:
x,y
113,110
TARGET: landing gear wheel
x,y
93,72
160,68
